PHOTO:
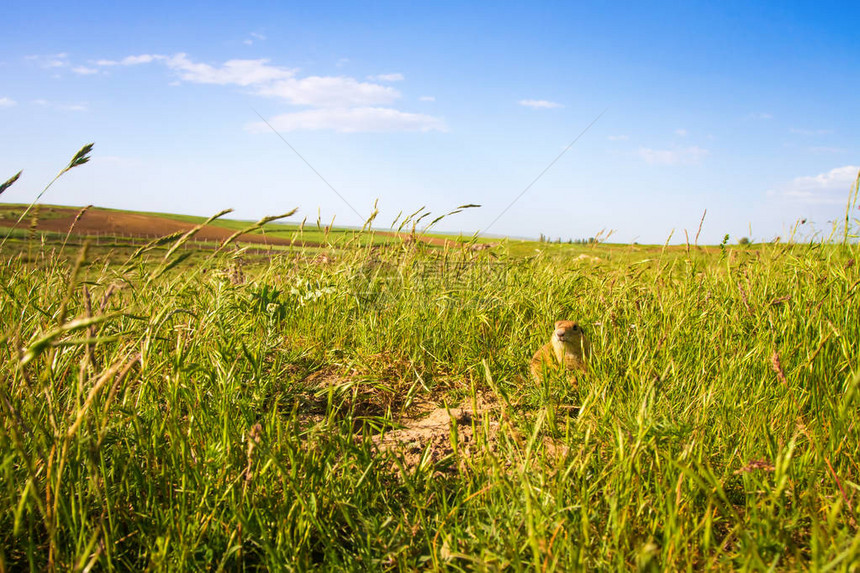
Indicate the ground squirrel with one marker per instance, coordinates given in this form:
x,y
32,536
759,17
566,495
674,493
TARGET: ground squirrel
x,y
568,346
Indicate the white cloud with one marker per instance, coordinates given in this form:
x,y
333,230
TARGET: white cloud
x,y
273,81
341,103
132,60
141,59
330,91
427,98
686,155
60,60
61,106
254,37
539,104
681,132
7,102
386,78
350,120
85,71
830,187
238,72
617,137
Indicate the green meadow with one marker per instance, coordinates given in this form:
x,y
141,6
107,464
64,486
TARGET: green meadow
x,y
164,408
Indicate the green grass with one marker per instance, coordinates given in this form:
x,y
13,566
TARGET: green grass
x,y
218,414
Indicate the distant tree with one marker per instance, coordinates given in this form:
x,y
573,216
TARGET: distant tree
x,y
743,241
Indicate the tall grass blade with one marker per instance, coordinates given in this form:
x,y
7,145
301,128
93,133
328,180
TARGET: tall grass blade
x,y
81,157
9,182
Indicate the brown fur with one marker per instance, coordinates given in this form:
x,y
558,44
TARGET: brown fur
x,y
568,349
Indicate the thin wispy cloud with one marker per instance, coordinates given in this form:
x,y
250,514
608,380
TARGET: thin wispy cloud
x,y
681,156
132,60
7,102
60,60
60,106
341,103
427,98
760,115
618,137
85,71
352,120
236,72
255,37
801,131
270,80
681,132
823,149
386,78
329,91
831,187
539,104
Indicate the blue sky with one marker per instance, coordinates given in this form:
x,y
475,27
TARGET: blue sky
x,y
746,109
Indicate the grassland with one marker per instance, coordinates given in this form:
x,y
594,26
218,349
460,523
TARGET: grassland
x,y
365,404
230,412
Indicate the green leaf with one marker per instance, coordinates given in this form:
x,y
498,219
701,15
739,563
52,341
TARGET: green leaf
x,y
40,343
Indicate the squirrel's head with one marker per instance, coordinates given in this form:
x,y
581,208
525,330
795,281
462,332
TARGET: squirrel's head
x,y
568,331
570,344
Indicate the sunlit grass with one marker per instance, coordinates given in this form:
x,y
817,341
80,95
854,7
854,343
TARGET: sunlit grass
x,y
169,411
717,425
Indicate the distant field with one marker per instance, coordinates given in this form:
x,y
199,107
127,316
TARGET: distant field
x,y
100,222
364,405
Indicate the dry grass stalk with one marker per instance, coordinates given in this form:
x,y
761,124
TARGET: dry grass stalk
x,y
696,242
777,367
253,439
762,465
72,283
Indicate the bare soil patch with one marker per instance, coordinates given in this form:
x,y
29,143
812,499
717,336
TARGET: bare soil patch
x,y
96,221
116,223
428,438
